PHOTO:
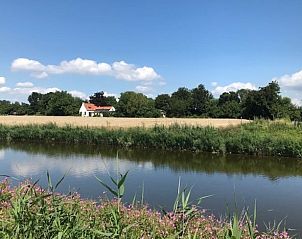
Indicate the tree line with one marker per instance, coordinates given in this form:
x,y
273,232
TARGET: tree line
x,y
266,102
58,103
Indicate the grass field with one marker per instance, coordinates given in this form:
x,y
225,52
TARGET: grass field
x,y
116,122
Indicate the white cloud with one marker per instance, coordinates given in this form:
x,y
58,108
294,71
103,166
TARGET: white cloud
x,y
296,101
25,84
4,89
143,88
214,83
39,75
2,80
106,94
293,81
28,90
79,94
291,86
27,65
218,90
120,70
162,83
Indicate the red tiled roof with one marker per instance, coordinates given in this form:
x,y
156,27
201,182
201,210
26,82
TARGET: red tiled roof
x,y
93,107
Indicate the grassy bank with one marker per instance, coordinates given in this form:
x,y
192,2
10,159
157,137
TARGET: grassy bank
x,y
257,138
28,211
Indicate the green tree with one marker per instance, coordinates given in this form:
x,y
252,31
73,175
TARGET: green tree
x,y
263,103
61,103
212,109
100,99
181,103
34,100
163,102
201,98
229,105
132,104
14,108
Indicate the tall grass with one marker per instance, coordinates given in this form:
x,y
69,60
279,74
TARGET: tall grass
x,y
257,138
28,211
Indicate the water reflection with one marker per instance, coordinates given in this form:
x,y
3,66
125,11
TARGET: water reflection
x,y
2,154
90,159
78,167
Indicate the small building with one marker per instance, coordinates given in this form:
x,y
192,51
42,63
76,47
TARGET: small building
x,y
90,110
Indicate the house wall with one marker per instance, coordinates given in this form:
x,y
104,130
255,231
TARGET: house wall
x,y
82,110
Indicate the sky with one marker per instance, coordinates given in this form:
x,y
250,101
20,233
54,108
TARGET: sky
x,y
151,47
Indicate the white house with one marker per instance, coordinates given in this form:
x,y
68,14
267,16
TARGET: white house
x,y
89,110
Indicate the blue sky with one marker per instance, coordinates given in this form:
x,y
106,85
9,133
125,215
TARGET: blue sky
x,y
149,46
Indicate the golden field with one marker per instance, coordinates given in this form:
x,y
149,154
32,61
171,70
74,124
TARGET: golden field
x,y
112,122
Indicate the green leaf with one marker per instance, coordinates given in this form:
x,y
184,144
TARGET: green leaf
x,y
106,186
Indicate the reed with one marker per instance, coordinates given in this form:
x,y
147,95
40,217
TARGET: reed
x,y
256,138
29,211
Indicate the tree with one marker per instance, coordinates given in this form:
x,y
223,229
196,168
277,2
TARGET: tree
x,y
111,101
181,103
212,109
286,109
132,104
163,102
263,103
201,97
54,103
270,96
63,104
100,99
229,105
229,96
34,101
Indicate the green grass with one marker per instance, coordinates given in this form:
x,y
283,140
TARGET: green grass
x,y
257,138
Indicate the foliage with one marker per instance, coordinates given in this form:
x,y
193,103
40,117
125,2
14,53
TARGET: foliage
x,y
16,108
229,105
200,100
264,103
249,104
132,104
256,138
100,99
62,104
59,103
163,102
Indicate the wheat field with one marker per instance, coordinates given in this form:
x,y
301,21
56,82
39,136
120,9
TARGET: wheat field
x,y
112,122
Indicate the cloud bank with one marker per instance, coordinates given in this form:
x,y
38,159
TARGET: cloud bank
x,y
218,90
2,80
120,69
25,84
26,88
293,81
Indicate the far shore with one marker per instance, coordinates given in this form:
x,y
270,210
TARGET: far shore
x,y
114,122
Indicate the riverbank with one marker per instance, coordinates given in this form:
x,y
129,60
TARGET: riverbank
x,y
28,211
256,138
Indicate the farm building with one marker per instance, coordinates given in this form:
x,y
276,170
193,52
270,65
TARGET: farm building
x,y
90,110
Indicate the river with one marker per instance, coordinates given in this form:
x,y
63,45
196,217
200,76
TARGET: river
x,y
275,183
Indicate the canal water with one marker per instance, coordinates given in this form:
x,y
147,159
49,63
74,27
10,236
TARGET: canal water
x,y
233,181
